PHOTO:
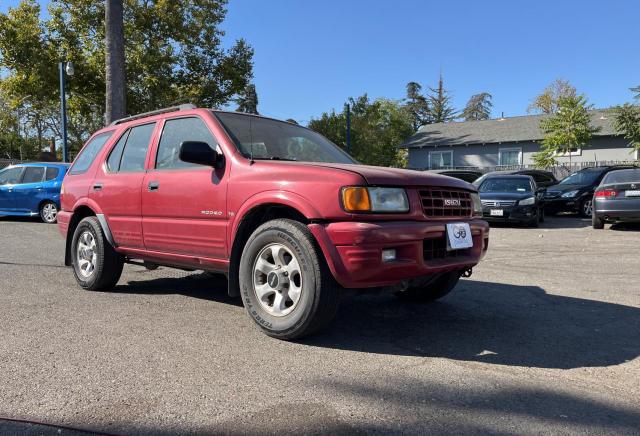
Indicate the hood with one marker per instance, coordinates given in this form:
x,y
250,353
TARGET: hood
x,y
385,176
561,189
505,195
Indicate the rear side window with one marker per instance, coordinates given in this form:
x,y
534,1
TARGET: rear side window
x,y
33,174
52,173
130,152
89,153
174,133
10,176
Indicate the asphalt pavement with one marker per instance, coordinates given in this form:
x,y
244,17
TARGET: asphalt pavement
x,y
543,338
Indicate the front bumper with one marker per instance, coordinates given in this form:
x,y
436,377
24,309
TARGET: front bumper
x,y
518,214
353,250
563,204
63,222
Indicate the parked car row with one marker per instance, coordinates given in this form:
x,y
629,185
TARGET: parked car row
x,y
604,193
32,189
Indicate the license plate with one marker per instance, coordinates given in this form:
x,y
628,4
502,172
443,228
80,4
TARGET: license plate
x,y
459,236
632,193
496,212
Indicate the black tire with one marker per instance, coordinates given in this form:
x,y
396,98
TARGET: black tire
x,y
432,292
108,263
598,223
48,212
319,296
584,211
541,214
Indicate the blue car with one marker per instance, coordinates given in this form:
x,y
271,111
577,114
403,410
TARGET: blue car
x,y
32,189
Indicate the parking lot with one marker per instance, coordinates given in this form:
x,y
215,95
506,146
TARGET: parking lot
x,y
543,338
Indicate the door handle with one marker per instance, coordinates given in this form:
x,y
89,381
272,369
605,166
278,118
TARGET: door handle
x,y
154,186
97,186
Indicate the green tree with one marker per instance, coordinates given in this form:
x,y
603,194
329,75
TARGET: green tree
x,y
417,105
566,130
548,101
627,122
173,49
248,100
478,107
440,108
377,128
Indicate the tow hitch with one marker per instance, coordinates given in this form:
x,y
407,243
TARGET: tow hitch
x,y
467,272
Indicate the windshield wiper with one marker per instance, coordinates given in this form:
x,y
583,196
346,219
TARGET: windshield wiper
x,y
275,158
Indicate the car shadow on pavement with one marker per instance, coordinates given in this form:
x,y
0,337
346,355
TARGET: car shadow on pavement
x,y
490,322
202,285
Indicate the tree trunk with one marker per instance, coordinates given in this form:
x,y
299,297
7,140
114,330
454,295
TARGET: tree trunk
x,y
114,60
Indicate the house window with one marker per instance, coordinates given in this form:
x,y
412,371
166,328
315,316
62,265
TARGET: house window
x,y
572,152
440,159
510,156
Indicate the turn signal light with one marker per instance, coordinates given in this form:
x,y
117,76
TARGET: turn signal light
x,y
356,199
606,193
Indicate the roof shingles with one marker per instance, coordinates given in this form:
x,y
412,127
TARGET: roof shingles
x,y
513,129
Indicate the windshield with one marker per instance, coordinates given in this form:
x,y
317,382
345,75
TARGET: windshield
x,y
511,185
265,138
584,177
622,176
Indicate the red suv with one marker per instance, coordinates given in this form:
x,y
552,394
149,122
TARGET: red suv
x,y
288,216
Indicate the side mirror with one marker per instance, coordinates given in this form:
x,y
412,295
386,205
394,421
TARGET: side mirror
x,y
541,190
200,153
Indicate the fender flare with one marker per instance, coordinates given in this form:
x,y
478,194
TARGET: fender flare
x,y
284,198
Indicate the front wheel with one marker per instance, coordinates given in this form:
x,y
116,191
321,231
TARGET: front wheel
x,y
96,265
49,212
586,207
435,290
286,286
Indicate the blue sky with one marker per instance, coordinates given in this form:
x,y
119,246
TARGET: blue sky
x,y
312,55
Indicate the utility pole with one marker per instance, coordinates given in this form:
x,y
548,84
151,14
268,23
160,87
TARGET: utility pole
x,y
348,109
114,61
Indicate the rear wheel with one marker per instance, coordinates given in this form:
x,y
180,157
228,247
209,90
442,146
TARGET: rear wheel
x,y
96,265
49,212
285,284
433,291
598,223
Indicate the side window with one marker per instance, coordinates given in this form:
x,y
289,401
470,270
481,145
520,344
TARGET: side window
x,y
10,176
174,133
52,173
135,150
33,174
89,153
113,162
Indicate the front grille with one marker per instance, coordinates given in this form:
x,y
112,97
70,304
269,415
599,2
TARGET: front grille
x,y
498,203
443,202
436,249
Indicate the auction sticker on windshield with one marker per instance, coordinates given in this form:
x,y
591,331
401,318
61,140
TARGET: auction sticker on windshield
x,y
459,236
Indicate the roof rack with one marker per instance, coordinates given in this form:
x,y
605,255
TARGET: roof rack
x,y
182,107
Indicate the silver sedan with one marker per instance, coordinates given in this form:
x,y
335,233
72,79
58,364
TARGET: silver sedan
x,y
617,198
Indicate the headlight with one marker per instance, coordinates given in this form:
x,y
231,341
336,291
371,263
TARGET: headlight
x,y
477,204
527,201
570,194
361,199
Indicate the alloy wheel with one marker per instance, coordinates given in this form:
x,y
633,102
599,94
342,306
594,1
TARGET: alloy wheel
x,y
86,254
277,279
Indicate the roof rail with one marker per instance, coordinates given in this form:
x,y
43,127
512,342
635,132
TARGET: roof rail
x,y
182,107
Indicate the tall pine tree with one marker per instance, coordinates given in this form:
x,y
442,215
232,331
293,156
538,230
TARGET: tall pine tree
x,y
440,108
417,105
